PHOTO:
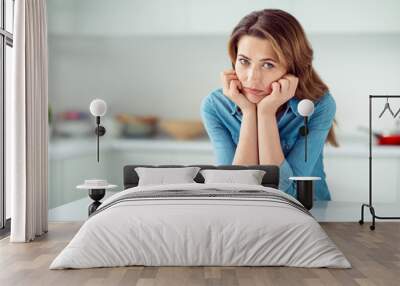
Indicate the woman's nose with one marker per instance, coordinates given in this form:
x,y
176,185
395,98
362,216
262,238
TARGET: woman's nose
x,y
253,74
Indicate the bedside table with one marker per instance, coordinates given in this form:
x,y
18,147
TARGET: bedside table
x,y
96,190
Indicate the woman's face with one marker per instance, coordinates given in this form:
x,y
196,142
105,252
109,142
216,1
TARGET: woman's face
x,y
257,67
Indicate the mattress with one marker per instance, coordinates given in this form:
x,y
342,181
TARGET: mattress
x,y
197,224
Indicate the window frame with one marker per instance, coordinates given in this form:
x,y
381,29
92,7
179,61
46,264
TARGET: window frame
x,y
6,39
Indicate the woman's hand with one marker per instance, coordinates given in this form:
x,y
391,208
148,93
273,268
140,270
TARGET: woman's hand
x,y
282,91
231,89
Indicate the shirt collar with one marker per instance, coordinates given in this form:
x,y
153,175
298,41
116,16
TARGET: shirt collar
x,y
293,102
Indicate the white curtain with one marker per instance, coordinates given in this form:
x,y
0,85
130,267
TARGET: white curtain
x,y
27,123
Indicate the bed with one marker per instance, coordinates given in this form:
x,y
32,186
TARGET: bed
x,y
201,224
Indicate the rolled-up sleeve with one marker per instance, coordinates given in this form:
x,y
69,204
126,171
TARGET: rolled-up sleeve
x,y
294,164
220,137
285,171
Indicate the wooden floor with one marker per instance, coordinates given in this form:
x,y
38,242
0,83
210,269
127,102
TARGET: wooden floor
x,y
374,255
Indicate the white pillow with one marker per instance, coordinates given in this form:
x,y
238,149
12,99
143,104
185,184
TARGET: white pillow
x,y
250,177
162,176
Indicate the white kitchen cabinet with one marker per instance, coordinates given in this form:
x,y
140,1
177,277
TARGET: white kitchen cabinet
x,y
346,168
72,161
179,17
66,173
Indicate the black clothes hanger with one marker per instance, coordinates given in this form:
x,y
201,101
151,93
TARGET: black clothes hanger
x,y
398,111
387,107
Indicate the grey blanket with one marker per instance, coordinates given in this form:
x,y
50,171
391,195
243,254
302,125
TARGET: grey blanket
x,y
205,193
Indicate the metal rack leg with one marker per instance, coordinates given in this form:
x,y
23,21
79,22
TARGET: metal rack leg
x,y
372,211
374,216
361,221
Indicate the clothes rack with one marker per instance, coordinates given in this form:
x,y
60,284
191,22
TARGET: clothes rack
x,y
370,205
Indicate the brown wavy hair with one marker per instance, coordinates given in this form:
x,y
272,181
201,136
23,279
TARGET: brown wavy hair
x,y
290,43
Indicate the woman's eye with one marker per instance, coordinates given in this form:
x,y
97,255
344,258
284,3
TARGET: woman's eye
x,y
268,65
243,61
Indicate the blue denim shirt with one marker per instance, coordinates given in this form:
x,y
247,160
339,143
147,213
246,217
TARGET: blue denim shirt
x,y
222,119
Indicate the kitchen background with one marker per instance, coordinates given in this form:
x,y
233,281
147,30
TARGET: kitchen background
x,y
153,62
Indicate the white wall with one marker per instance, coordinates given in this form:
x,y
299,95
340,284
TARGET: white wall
x,y
132,17
166,76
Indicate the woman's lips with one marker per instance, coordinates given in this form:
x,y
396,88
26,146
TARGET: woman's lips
x,y
253,91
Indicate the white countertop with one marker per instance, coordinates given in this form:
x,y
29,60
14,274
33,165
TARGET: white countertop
x,y
69,147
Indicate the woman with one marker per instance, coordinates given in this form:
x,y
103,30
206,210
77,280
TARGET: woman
x,y
253,118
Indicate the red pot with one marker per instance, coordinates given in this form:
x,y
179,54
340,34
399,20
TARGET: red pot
x,y
393,139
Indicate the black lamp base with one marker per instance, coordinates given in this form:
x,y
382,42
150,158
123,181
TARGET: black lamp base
x,y
96,195
305,193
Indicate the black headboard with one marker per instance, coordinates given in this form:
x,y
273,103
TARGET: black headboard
x,y
270,179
